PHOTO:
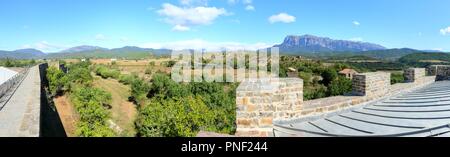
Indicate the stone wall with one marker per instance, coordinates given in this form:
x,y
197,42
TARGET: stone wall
x,y
259,102
442,72
414,74
371,84
263,102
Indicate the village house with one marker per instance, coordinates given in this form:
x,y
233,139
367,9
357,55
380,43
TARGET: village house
x,y
348,73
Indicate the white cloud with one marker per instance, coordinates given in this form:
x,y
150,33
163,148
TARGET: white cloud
x,y
358,39
44,46
445,31
100,37
180,28
356,23
199,44
190,16
250,8
232,2
194,2
282,17
247,1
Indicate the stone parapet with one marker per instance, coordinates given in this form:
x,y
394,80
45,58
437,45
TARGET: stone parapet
x,y
373,84
259,102
263,102
442,72
414,74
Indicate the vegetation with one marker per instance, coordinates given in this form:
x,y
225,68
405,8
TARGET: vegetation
x,y
127,79
8,62
106,72
174,109
90,103
397,77
340,86
173,117
57,80
320,80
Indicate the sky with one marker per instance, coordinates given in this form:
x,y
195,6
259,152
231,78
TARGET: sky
x,y
54,25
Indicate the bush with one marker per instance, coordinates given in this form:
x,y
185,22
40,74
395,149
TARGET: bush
x,y
106,72
90,104
149,70
163,86
173,118
139,91
56,79
397,78
127,79
340,86
328,75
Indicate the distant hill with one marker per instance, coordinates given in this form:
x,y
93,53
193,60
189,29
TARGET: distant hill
x,y
83,48
22,54
426,58
312,44
389,54
128,52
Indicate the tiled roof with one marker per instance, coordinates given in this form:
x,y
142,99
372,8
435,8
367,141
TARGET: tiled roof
x,y
423,112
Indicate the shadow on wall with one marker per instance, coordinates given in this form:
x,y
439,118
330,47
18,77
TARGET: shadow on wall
x,y
51,125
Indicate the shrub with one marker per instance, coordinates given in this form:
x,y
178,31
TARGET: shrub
x,y
139,90
173,118
397,78
127,79
56,79
90,104
340,86
106,72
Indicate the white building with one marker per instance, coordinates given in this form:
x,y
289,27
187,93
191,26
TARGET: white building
x,y
6,74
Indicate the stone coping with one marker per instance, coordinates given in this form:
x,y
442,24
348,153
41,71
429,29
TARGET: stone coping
x,y
336,103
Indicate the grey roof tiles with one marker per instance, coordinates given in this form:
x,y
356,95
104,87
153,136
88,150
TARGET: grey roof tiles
x,y
423,112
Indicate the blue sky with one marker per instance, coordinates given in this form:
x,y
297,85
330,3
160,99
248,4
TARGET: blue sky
x,y
53,25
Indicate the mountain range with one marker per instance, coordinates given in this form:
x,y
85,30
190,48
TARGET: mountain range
x,y
307,45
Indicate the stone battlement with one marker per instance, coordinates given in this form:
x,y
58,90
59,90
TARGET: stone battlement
x,y
442,72
263,102
259,102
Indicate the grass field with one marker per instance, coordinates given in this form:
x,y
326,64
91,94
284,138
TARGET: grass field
x,y
123,112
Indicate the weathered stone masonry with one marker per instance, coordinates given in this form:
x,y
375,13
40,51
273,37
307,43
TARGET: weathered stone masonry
x,y
414,74
263,102
442,72
371,84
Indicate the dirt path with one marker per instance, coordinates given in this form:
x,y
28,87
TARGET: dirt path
x,y
67,113
123,111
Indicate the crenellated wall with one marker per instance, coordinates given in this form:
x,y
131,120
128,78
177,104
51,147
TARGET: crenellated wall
x,y
263,102
414,74
259,102
371,84
442,72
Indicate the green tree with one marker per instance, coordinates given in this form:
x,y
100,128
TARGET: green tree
x,y
139,90
56,80
340,86
328,75
397,78
307,78
173,118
